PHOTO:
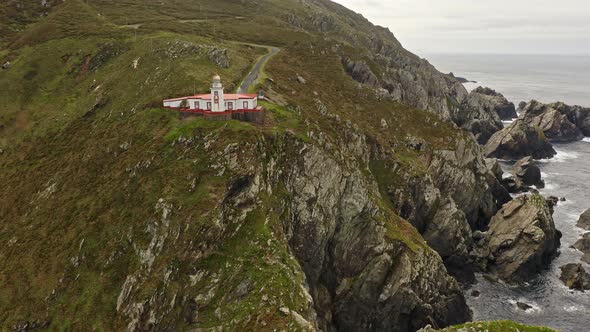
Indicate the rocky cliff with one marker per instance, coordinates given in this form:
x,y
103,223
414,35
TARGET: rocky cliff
x,y
559,122
342,211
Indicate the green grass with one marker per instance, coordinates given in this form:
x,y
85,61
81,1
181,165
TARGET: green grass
x,y
186,127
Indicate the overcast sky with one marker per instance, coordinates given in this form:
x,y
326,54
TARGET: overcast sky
x,y
488,26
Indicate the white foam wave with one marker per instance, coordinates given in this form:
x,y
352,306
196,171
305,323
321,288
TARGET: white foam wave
x,y
561,156
534,307
586,139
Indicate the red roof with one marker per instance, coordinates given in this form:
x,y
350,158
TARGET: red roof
x,y
229,96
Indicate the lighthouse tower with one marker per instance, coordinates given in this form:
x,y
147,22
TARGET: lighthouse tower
x,y
217,100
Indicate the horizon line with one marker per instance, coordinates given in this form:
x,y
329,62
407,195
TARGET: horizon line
x,y
419,53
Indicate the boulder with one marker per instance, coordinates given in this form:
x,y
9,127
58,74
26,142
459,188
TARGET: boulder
x,y
584,221
528,172
522,238
552,201
523,306
583,245
575,277
554,123
517,141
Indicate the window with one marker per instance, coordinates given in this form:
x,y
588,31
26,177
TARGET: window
x,y
196,105
209,106
245,105
230,106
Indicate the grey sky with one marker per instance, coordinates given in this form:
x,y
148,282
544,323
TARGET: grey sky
x,y
475,26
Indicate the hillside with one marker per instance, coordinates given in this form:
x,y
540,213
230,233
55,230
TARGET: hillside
x,y
339,213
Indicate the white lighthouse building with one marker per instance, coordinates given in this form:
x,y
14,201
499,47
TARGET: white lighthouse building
x,y
217,99
217,102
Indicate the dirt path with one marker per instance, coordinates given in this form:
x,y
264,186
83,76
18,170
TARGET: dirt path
x,y
254,75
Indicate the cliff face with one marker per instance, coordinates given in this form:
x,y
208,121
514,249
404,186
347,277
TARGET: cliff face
x,y
118,214
379,61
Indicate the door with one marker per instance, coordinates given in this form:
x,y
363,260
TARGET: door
x,y
209,106
230,106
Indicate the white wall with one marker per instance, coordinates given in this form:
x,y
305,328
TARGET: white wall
x,y
194,103
252,103
175,103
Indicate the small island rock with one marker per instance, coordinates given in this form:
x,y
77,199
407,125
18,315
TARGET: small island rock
x,y
584,221
528,172
522,238
554,122
517,141
583,245
575,277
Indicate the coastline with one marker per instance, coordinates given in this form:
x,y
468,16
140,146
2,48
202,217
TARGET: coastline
x,y
550,302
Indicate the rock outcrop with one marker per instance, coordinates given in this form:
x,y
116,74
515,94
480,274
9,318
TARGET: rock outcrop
x,y
460,193
584,221
505,109
461,79
522,239
349,257
574,276
517,141
477,114
361,72
528,172
553,120
583,245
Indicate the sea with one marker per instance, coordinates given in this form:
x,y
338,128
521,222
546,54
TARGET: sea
x,y
545,78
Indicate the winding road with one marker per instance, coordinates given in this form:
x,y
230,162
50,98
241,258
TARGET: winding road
x,y
254,75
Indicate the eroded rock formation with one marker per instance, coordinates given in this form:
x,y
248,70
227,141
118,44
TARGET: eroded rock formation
x,y
517,141
575,276
555,120
528,172
521,240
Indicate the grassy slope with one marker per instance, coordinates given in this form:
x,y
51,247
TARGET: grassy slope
x,y
91,162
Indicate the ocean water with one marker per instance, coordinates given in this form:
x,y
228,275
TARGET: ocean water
x,y
545,78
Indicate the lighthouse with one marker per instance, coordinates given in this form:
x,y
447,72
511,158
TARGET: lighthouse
x,y
217,103
217,98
